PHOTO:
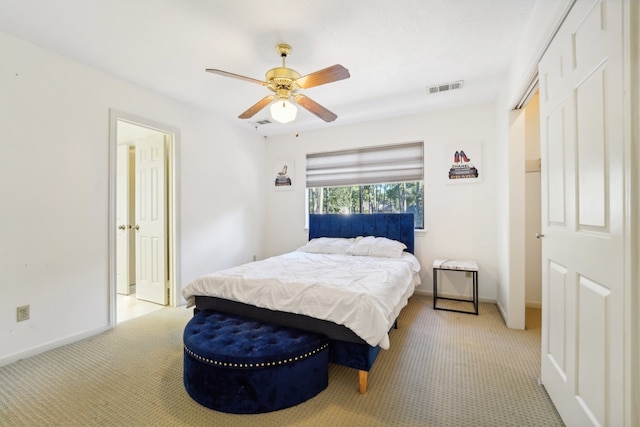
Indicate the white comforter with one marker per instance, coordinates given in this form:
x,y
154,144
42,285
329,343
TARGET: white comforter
x,y
362,293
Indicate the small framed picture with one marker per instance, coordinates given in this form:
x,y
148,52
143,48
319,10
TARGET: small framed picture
x,y
463,163
282,175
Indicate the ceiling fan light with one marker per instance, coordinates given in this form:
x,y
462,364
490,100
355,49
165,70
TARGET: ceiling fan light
x,y
283,111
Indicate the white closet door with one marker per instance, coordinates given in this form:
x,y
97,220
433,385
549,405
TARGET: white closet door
x,y
583,205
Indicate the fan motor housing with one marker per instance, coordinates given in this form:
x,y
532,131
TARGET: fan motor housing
x,y
282,77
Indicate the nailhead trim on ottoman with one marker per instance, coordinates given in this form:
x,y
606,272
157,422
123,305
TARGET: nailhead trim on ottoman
x,y
243,366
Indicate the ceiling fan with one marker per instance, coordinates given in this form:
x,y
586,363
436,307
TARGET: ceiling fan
x,y
285,83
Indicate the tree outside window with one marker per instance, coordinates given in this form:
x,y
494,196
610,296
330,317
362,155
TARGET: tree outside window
x,y
402,197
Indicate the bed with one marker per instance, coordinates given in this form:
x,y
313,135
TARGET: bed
x,y
360,321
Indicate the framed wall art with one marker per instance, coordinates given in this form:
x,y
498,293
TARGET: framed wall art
x,y
282,174
463,163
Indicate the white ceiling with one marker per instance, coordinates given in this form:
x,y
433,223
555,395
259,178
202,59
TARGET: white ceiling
x,y
393,49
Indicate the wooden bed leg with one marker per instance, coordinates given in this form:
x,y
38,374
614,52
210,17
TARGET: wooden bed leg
x,y
363,381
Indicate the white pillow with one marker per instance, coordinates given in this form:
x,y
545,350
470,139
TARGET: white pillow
x,y
377,246
328,245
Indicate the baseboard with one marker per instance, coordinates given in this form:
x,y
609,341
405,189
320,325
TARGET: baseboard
x,y
533,304
422,292
33,351
426,293
502,312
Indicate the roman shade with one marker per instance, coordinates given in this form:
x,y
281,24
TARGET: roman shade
x,y
372,165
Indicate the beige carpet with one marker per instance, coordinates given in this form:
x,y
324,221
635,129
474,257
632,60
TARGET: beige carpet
x,y
443,369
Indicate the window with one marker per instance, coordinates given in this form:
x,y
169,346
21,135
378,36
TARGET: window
x,y
368,180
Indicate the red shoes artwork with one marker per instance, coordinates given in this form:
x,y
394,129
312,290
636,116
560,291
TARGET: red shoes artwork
x,y
460,168
460,155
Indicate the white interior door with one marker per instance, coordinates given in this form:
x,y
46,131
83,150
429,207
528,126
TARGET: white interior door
x,y
123,223
151,226
583,205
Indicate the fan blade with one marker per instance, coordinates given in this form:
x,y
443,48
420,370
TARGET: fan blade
x,y
315,108
328,75
257,107
235,76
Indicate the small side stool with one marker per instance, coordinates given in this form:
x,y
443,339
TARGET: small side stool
x,y
455,265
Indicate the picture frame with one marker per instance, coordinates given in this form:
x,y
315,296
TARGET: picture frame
x,y
462,163
282,175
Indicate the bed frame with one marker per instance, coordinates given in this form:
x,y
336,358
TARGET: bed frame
x,y
345,347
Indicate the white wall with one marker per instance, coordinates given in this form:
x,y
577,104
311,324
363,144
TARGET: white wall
x,y
460,220
54,187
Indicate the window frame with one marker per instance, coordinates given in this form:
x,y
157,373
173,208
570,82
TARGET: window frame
x,y
359,168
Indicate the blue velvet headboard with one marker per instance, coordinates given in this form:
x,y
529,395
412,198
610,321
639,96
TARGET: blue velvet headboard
x,y
398,226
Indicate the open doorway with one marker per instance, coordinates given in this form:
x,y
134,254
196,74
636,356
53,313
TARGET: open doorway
x,y
143,251
533,207
524,293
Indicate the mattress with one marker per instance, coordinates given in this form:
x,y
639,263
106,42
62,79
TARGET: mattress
x,y
363,293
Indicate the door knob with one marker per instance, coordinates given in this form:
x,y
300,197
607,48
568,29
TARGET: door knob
x,y
538,235
121,227
137,227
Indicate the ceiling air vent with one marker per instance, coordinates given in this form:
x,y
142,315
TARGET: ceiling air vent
x,y
443,87
260,122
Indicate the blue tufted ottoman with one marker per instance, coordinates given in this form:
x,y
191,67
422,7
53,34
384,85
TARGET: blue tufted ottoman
x,y
243,366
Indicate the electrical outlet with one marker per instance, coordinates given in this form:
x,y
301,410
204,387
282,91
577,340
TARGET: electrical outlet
x,y
467,274
22,313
